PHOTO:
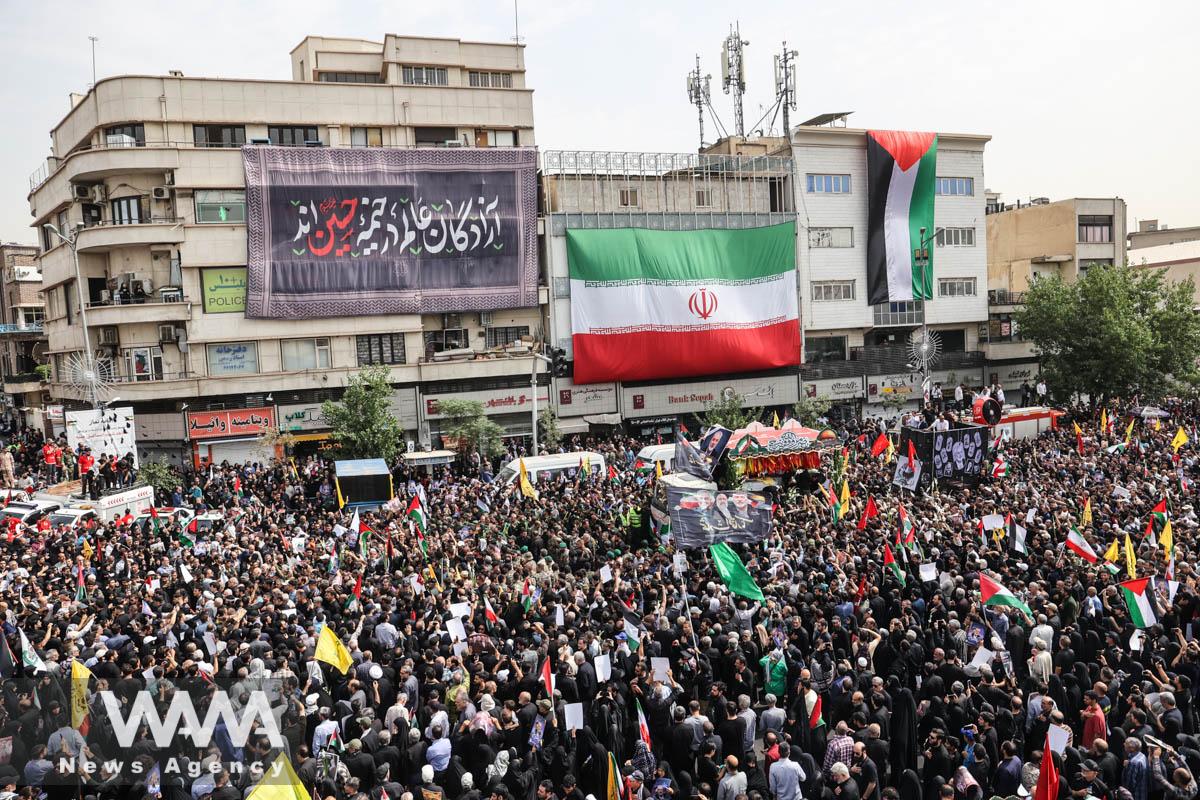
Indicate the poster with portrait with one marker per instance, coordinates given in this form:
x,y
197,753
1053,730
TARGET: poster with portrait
x,y
700,517
959,453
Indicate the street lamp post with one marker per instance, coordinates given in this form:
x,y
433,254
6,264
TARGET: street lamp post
x,y
89,358
533,383
921,258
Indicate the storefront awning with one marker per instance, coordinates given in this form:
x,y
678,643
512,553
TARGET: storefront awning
x,y
431,458
603,419
573,425
311,437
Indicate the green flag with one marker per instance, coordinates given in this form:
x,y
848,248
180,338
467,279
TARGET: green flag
x,y
733,572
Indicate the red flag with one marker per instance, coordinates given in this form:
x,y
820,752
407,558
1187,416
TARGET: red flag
x,y
191,528
912,453
358,587
1047,785
868,512
814,718
880,445
862,590
488,613
548,678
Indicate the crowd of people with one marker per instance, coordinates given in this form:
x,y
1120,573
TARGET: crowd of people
x,y
510,647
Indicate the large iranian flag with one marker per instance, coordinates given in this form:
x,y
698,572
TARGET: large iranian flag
x,y
669,304
901,173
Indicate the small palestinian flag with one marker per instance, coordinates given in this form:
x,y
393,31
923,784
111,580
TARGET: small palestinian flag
x,y
416,512
815,720
1016,536
992,593
901,167
547,677
612,472
526,595
643,726
1139,602
187,536
1159,512
870,511
907,533
489,613
80,586
889,561
1080,547
154,520
632,627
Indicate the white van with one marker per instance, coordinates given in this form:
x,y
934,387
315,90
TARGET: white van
x,y
552,465
662,453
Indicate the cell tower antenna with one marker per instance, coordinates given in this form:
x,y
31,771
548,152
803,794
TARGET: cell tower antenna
x,y
733,74
698,94
785,85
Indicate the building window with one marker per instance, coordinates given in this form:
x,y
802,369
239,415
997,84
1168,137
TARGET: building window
x,y
831,237
956,186
956,237
348,77
127,211
828,184
704,198
1095,228
32,317
233,358
448,339
366,137
492,80
1002,328
435,137
292,135
501,337
219,135
131,135
1084,266
299,354
833,290
425,76
629,198
824,348
380,348
144,364
956,287
220,205
494,138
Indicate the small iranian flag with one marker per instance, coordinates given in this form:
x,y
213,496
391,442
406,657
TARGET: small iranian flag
x,y
1079,545
889,561
643,727
994,594
1137,598
416,512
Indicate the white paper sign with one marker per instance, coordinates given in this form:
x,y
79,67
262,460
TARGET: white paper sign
x,y
603,667
1135,641
1060,738
606,574
929,572
459,648
680,563
993,521
574,715
983,657
1030,515
559,616
457,632
460,610
658,668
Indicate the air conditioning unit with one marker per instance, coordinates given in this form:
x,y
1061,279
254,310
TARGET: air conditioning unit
x,y
98,193
452,143
81,192
167,333
485,319
161,192
108,335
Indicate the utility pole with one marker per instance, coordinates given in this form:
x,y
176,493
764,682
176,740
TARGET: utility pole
x,y
733,74
93,40
698,94
785,85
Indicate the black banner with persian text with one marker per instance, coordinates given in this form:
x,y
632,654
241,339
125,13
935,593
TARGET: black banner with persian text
x,y
349,231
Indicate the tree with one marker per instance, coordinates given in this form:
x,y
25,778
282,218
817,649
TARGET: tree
x,y
275,440
161,475
728,412
1116,332
470,428
549,435
808,410
362,422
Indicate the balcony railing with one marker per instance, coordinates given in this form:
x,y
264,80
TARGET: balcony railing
x,y
23,377
109,371
903,314
1003,297
21,327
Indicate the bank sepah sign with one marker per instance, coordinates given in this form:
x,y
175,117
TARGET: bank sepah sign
x,y
691,398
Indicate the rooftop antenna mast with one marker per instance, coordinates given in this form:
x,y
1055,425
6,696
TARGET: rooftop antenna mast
x,y
785,85
698,94
516,22
733,74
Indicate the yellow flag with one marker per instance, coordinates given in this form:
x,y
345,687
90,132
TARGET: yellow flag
x,y
586,466
331,650
1103,420
87,550
279,782
1086,519
80,675
1078,432
658,470
845,498
775,419
1167,539
891,451
1113,552
1129,431
527,487
341,500
1130,558
1180,439
1157,424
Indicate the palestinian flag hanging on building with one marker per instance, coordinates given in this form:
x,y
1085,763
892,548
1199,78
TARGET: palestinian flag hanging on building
x,y
901,176
668,304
